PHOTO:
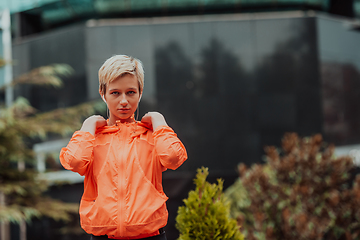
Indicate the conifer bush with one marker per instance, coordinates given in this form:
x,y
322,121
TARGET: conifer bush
x,y
302,192
206,213
23,192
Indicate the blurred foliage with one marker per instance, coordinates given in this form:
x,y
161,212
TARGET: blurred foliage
x,y
302,192
20,124
44,76
206,213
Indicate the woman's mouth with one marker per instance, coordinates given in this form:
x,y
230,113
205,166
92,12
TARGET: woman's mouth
x,y
124,110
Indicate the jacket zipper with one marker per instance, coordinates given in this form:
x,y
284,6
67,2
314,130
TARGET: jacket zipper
x,y
121,189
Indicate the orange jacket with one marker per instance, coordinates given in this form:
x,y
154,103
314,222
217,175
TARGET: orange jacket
x,y
123,164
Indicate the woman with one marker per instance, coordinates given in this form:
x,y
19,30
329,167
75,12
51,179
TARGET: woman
x,y
123,159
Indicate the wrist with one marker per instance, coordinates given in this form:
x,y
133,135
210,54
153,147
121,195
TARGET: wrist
x,y
158,120
88,126
157,117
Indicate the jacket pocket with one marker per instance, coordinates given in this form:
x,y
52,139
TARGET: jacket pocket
x,y
85,211
96,214
144,203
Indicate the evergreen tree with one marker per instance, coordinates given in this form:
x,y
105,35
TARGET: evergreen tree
x,y
206,213
21,190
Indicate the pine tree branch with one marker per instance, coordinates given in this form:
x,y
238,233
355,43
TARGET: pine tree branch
x,y
45,76
22,191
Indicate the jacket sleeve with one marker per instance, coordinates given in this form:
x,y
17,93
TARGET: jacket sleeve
x,y
169,148
78,154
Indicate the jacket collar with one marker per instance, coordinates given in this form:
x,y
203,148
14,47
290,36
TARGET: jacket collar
x,y
139,128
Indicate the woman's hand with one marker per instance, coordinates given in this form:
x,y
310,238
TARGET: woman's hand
x,y
155,119
92,123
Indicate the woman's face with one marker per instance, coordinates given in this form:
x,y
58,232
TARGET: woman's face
x,y
122,98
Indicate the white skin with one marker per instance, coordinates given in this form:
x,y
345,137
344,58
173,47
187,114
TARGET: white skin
x,y
122,98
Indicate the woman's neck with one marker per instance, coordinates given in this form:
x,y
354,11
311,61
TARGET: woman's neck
x,y
113,121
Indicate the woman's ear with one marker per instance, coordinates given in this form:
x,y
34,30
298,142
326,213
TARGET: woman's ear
x,y
102,95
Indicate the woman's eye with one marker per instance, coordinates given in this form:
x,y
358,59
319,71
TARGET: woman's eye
x,y
131,92
114,93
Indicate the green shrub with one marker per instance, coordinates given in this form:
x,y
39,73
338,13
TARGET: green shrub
x,y
206,213
302,192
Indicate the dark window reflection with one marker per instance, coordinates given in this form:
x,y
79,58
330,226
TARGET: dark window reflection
x,y
341,99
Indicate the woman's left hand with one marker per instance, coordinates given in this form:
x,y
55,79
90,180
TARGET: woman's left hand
x,y
155,119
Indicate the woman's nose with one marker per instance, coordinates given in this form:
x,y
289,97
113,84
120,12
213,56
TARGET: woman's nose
x,y
123,101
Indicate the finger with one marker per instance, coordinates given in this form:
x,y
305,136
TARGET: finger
x,y
146,119
101,124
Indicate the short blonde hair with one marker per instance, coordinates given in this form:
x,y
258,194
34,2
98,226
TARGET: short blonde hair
x,y
117,66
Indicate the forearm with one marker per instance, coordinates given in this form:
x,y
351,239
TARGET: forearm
x,y
170,150
92,123
88,128
77,155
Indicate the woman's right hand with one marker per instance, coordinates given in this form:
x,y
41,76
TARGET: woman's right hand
x,y
92,123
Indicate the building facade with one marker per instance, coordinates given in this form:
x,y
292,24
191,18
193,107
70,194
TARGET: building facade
x,y
228,84
230,76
